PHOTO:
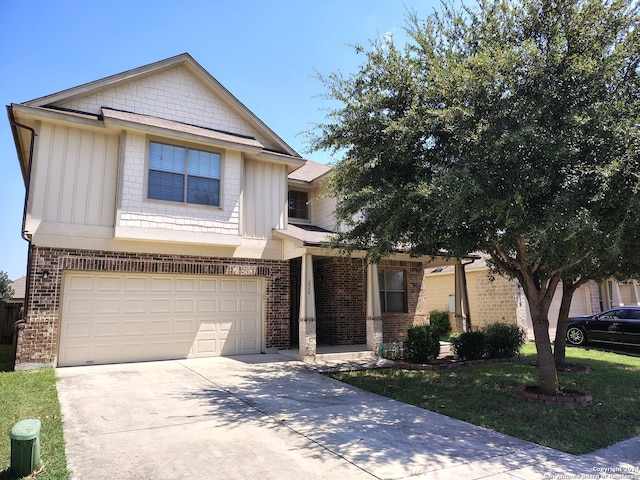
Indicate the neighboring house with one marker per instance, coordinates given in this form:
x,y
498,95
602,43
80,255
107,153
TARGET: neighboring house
x,y
166,220
502,300
18,286
11,311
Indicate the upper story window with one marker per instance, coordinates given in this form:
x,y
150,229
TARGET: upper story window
x,y
392,290
299,204
182,174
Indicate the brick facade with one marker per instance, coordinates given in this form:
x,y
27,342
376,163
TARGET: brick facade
x,y
395,325
341,295
38,338
496,301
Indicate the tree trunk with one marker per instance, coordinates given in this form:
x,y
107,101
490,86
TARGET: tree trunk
x,y
547,372
539,299
560,343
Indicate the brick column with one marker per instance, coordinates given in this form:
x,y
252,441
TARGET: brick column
x,y
374,312
307,320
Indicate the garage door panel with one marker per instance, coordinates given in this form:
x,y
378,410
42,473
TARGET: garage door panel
x,y
105,305
207,305
108,284
163,327
110,318
105,328
185,305
79,330
186,285
80,283
229,286
208,285
183,326
79,306
249,305
250,286
160,305
133,327
134,284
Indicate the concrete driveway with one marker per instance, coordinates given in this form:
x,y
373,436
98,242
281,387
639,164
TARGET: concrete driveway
x,y
267,417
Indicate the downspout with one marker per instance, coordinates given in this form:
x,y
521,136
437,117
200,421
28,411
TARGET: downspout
x,y
465,295
27,288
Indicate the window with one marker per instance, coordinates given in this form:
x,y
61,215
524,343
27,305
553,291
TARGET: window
x,y
298,204
181,174
392,290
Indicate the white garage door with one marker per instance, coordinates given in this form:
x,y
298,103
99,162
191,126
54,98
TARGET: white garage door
x,y
112,318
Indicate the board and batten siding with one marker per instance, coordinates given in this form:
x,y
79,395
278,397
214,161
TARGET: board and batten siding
x,y
265,198
74,178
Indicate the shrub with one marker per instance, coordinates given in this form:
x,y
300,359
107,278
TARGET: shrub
x,y
503,340
468,345
422,344
439,321
392,350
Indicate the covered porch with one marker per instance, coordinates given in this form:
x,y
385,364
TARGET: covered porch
x,y
338,307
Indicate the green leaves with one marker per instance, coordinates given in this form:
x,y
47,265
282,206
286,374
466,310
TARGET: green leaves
x,y
499,122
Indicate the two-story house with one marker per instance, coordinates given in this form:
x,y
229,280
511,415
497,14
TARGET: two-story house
x,y
165,220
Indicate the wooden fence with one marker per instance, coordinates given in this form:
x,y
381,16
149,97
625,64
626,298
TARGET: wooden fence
x,y
9,315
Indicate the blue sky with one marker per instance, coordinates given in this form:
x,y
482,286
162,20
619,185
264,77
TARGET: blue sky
x,y
265,52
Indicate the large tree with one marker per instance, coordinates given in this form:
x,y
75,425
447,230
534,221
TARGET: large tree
x,y
6,290
499,128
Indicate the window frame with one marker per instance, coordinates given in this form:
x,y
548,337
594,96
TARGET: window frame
x,y
306,203
384,291
185,173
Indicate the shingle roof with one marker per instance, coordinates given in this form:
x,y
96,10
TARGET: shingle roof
x,y
147,120
307,234
310,171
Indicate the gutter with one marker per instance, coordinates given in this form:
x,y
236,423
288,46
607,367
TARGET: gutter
x,y
14,128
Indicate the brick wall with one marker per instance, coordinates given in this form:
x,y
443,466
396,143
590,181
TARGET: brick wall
x,y
496,301
38,338
341,295
395,325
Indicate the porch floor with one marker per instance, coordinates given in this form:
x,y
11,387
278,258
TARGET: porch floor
x,y
349,352
334,352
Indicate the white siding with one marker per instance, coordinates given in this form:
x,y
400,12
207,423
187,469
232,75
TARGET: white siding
x,y
146,217
74,177
173,94
322,210
265,194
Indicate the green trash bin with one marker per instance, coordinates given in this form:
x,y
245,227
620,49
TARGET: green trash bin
x,y
25,447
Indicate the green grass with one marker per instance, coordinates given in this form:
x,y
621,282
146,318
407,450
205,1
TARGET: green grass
x,y
32,394
483,395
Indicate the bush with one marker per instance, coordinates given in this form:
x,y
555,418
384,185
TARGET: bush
x,y
439,321
503,340
422,344
392,350
468,345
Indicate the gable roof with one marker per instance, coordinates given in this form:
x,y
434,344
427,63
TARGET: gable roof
x,y
184,59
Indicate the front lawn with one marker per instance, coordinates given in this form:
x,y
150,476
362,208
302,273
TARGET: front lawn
x,y
483,395
32,394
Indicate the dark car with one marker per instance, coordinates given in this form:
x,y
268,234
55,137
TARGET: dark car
x,y
619,325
